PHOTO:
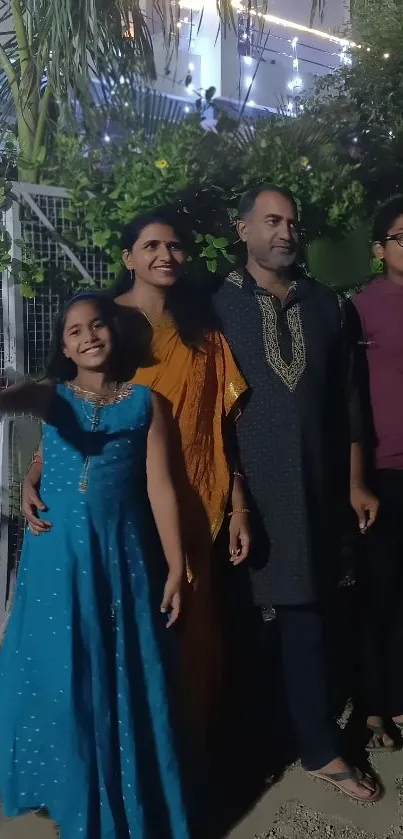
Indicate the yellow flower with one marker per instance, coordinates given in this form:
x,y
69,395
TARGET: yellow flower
x,y
161,164
304,162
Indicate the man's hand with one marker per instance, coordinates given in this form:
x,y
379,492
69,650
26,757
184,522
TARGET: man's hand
x,y
31,503
366,506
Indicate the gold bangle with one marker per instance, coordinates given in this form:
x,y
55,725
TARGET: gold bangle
x,y
241,510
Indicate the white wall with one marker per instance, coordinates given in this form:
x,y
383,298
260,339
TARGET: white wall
x,y
216,60
199,53
275,70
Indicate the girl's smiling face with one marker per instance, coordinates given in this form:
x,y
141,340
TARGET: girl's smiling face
x,y
87,340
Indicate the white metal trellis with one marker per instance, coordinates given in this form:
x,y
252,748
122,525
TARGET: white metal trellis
x,y
36,217
13,367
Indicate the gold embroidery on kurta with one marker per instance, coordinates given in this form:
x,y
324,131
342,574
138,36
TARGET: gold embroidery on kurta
x,y
235,278
291,373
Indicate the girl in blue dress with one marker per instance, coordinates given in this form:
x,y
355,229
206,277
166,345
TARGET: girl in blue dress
x,y
85,725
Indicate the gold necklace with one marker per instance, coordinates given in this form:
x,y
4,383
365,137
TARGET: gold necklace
x,y
96,399
147,318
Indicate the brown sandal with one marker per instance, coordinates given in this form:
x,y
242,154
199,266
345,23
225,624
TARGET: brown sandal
x,y
336,779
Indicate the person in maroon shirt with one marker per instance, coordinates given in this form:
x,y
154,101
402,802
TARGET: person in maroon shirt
x,y
380,310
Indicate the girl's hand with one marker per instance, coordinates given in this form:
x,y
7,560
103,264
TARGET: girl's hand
x,y
31,502
239,538
171,602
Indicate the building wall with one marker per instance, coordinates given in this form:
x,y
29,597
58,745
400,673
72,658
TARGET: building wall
x,y
279,61
215,60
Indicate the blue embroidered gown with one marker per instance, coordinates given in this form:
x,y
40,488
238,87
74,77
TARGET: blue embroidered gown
x,y
85,726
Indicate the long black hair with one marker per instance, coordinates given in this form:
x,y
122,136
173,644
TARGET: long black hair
x,y
62,369
186,301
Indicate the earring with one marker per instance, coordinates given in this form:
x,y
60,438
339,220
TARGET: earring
x,y
132,275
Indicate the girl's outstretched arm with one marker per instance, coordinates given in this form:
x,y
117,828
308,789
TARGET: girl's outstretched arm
x,y
27,398
165,507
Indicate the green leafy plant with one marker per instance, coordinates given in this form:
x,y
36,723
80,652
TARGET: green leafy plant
x,y
50,52
202,175
214,250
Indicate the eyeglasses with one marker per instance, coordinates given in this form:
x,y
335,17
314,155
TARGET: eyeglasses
x,y
395,237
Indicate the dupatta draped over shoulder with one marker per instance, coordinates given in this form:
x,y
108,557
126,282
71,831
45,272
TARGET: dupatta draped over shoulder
x,y
203,386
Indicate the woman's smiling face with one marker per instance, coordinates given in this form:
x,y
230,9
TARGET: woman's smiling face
x,y
157,257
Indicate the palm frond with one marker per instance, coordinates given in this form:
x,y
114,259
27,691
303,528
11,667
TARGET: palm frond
x,y
75,37
317,10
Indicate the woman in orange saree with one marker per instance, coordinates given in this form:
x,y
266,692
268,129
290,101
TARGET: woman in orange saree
x,y
192,367
194,370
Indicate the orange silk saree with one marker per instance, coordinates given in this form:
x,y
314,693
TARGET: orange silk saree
x,y
202,387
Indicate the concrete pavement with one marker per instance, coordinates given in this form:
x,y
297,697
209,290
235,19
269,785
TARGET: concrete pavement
x,y
296,808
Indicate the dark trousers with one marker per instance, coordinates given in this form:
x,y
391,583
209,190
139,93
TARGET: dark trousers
x,y
301,632
281,663
380,590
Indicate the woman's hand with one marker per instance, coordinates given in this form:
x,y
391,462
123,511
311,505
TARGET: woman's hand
x,y
239,537
171,601
31,503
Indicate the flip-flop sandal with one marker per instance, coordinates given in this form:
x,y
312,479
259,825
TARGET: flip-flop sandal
x,y
398,725
337,778
379,731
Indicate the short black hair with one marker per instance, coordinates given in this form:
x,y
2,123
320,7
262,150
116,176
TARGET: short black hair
x,y
248,200
386,218
62,369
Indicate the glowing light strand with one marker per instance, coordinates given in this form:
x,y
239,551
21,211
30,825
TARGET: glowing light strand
x,y
346,45
198,6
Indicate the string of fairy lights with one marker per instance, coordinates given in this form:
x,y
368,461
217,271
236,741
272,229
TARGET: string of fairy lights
x,y
344,46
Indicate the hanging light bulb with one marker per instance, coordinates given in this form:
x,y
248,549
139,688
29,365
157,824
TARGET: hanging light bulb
x,y
294,83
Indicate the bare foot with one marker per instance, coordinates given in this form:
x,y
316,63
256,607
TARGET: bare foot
x,y
379,739
398,720
359,786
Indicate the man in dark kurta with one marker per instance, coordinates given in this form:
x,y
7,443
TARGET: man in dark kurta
x,y
286,333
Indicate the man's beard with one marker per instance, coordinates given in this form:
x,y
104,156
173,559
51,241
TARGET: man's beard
x,y
282,264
